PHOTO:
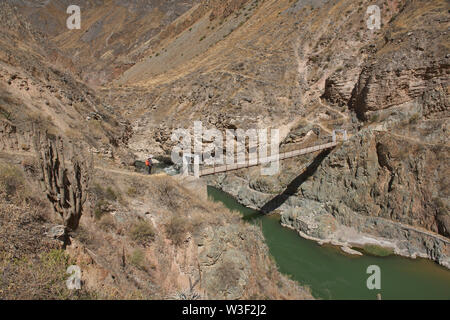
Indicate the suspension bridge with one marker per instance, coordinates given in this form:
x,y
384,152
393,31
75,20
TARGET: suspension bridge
x,y
192,161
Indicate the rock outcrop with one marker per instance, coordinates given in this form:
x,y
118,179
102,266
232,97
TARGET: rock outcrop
x,y
371,196
418,68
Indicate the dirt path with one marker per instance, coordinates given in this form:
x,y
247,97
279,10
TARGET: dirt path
x,y
400,136
107,169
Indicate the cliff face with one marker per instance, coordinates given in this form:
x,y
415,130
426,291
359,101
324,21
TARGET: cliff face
x,y
139,237
309,68
306,67
388,176
390,180
399,172
377,188
136,239
417,69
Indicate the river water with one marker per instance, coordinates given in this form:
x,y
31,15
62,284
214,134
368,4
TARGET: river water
x,y
332,274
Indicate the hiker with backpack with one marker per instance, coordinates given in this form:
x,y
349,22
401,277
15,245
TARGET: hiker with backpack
x,y
149,165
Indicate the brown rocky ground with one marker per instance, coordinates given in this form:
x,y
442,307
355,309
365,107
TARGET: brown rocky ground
x,y
308,69
305,67
139,238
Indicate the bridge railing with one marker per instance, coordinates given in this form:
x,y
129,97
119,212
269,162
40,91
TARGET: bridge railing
x,y
214,168
281,156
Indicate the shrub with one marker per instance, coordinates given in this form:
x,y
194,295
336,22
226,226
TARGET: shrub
x,y
56,260
414,118
5,114
107,222
103,197
142,232
12,183
100,209
227,274
169,195
376,250
374,117
132,192
110,194
83,235
441,208
138,260
102,194
176,229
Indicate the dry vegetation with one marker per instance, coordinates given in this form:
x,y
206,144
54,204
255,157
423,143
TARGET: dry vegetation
x,y
152,245
31,265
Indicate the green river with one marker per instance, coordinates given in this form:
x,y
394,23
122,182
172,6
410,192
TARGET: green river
x,y
331,274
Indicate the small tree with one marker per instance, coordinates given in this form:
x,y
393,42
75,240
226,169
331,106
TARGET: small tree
x,y
65,187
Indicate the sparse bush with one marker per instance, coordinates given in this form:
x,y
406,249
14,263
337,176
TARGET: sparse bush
x,y
100,209
228,274
103,197
441,208
12,183
374,117
42,122
169,195
56,261
5,114
176,229
314,59
377,250
103,194
132,191
414,118
110,194
142,232
138,260
83,235
107,222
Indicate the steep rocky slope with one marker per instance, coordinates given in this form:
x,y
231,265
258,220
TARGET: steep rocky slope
x,y
395,167
37,87
111,35
306,67
138,237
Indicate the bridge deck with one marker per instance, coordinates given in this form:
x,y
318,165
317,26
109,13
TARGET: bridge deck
x,y
257,162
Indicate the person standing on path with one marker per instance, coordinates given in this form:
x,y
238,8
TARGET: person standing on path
x,y
149,164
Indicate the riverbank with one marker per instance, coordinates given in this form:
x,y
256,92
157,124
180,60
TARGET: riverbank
x,y
333,274
315,221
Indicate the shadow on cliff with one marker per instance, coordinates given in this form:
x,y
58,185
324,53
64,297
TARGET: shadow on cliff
x,y
293,186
